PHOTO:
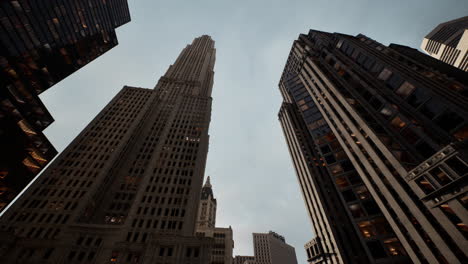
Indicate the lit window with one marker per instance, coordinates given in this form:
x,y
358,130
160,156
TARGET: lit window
x,y
398,123
366,229
341,182
394,247
405,89
362,192
385,74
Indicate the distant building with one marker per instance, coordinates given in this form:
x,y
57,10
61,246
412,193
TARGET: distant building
x,y
271,248
206,227
41,43
127,189
378,137
244,260
207,209
448,42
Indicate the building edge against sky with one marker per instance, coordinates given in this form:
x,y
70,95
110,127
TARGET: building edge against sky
x,y
42,43
377,136
448,42
127,188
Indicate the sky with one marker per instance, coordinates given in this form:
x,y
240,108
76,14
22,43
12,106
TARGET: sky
x,y
248,161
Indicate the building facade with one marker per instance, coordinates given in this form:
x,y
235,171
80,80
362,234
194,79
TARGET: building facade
x,y
377,136
448,42
41,43
271,248
127,189
244,259
206,227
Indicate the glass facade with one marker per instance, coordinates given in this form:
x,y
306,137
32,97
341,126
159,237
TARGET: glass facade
x,y
41,43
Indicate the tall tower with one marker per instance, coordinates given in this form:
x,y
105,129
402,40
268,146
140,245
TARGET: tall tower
x,y
207,208
448,42
127,188
378,138
42,43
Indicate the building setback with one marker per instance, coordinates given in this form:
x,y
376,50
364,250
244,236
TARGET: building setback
x,y
448,42
126,190
41,43
271,248
377,136
206,227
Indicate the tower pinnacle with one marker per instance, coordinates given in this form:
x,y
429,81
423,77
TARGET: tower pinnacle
x,y
207,183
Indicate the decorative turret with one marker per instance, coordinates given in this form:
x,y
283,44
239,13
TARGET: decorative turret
x,y
207,208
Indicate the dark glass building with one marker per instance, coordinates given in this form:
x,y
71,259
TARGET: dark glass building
x,y
378,138
41,43
127,189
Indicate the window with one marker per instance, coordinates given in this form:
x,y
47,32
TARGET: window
x,y
385,74
394,247
341,182
397,123
362,192
448,120
349,196
405,89
371,207
440,176
425,185
376,249
387,111
356,211
366,229
457,165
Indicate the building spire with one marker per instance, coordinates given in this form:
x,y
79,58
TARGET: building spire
x,y
207,183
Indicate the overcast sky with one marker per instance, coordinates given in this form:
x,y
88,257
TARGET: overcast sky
x,y
251,170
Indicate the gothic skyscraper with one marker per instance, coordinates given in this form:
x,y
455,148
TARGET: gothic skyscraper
x,y
127,189
378,137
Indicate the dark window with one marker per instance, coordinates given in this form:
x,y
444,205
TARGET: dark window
x,y
371,207
440,176
457,165
330,159
376,249
349,196
325,149
424,149
418,97
448,121
431,108
395,81
410,136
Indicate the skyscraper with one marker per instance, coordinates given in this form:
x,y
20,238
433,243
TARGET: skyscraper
x,y
127,189
448,42
206,227
377,136
271,248
41,43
